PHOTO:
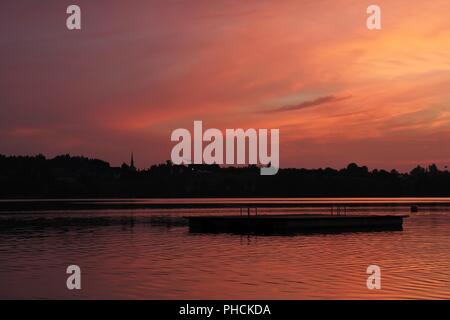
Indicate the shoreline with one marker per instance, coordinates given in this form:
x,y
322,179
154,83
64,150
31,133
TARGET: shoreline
x,y
30,205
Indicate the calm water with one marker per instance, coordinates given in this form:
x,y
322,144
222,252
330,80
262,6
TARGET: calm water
x,y
150,254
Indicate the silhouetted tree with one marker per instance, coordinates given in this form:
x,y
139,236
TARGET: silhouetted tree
x,y
69,176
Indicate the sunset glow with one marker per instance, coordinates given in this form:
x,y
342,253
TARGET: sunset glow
x,y
337,91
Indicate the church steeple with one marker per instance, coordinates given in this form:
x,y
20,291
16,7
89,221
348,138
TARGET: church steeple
x,y
132,162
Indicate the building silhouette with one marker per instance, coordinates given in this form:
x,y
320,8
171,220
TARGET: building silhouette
x,y
132,167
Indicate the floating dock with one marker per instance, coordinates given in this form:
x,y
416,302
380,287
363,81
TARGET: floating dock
x,y
294,223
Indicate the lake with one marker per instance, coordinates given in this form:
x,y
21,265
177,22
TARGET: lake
x,y
149,253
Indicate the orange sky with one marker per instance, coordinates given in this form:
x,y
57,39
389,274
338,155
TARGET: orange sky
x,y
338,92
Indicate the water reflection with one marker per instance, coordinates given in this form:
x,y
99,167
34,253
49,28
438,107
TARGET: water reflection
x,y
150,254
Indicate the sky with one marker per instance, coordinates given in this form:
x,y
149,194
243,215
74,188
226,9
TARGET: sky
x,y
138,70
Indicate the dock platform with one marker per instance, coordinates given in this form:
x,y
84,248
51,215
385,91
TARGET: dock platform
x,y
294,223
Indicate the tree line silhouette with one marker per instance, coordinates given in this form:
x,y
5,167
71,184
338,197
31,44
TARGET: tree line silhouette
x,y
79,177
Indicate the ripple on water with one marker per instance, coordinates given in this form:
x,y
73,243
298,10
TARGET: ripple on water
x,y
157,258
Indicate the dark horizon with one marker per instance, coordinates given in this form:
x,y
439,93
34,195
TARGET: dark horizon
x,y
68,176
146,167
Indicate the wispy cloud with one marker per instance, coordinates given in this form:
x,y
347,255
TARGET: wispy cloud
x,y
311,103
